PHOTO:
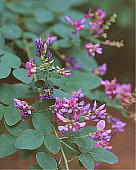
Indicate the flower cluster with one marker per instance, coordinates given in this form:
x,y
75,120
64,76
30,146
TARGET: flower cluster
x,y
119,91
92,49
96,24
68,112
76,24
47,93
30,66
101,136
101,70
23,106
116,124
41,45
95,114
71,110
110,87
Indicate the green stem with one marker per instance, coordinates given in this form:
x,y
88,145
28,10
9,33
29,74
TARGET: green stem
x,y
62,151
72,159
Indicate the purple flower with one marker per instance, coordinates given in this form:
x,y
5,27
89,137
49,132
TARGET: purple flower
x,y
25,109
47,93
41,45
101,70
31,67
76,24
117,125
68,112
49,54
100,13
93,49
50,39
123,92
96,114
110,87
78,93
101,136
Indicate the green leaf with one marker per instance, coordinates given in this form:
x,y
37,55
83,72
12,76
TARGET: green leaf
x,y
62,30
17,129
45,161
61,94
79,141
11,115
101,155
86,62
84,80
87,161
21,74
2,110
9,60
7,146
34,167
86,130
42,123
25,154
8,92
11,31
43,15
89,144
30,139
58,6
52,143
4,71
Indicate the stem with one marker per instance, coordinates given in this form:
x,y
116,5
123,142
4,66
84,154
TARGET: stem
x,y
69,146
62,151
72,159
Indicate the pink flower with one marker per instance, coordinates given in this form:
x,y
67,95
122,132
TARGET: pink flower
x,y
100,13
101,136
110,87
101,70
123,92
93,48
23,106
68,112
50,39
77,24
31,67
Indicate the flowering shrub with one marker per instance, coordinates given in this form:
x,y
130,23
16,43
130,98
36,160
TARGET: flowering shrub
x,y
68,116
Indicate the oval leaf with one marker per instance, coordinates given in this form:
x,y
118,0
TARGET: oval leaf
x,y
11,115
7,145
52,143
45,161
21,74
87,161
30,139
42,123
101,155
